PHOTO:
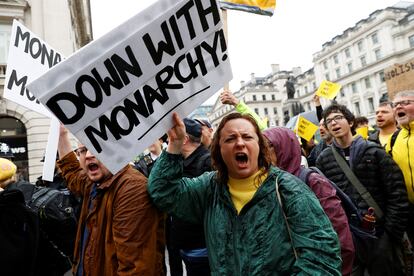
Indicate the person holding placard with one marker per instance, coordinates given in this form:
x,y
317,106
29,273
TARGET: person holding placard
x,y
119,231
258,219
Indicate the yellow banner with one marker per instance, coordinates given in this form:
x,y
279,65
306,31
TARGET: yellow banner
x,y
305,128
264,7
328,89
363,131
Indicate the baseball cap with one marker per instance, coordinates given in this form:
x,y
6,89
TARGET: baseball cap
x,y
204,123
192,127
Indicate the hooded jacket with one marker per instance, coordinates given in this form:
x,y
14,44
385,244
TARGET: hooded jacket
x,y
255,241
288,155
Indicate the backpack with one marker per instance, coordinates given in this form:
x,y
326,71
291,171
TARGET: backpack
x,y
56,210
353,213
393,138
19,235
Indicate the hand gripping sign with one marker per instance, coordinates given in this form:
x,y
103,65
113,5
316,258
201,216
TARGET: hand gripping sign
x,y
116,95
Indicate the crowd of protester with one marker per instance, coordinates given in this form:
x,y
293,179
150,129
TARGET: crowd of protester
x,y
246,200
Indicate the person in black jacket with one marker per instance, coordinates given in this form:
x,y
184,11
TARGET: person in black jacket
x,y
187,237
383,179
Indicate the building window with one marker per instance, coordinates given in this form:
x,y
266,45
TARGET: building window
x,y
256,110
363,60
371,105
265,111
309,106
350,69
314,85
273,98
341,92
338,73
327,77
360,46
354,87
357,109
367,82
381,76
306,90
411,40
378,55
264,97
374,38
335,58
275,110
325,65
254,98
5,32
347,53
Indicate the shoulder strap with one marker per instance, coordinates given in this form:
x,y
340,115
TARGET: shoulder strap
x,y
279,200
355,182
393,138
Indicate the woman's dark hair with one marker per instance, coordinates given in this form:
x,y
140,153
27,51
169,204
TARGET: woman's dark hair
x,y
338,108
216,158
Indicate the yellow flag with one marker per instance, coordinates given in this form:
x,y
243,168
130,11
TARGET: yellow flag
x,y
363,131
328,89
264,7
305,128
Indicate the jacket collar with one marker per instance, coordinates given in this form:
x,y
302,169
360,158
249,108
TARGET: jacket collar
x,y
111,180
268,186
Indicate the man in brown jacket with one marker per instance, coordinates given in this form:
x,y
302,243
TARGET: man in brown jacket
x,y
120,232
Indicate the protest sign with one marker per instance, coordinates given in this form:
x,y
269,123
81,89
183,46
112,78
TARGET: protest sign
x,y
117,94
29,57
305,128
263,7
399,77
328,89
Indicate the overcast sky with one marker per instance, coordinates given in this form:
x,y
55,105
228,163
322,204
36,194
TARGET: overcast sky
x,y
289,38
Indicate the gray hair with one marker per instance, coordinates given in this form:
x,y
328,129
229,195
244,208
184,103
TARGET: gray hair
x,y
405,93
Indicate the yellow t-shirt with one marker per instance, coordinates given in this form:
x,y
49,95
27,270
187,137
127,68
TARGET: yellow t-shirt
x,y
384,139
243,190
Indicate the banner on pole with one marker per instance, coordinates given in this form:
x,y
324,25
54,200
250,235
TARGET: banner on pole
x,y
117,94
263,7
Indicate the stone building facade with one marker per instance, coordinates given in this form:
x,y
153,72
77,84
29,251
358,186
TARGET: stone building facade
x,y
66,26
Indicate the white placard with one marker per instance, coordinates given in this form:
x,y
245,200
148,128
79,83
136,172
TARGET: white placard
x,y
29,57
116,95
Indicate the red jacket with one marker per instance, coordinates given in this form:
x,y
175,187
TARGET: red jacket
x,y
126,232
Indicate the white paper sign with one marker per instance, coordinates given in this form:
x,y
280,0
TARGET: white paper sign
x,y
116,95
29,58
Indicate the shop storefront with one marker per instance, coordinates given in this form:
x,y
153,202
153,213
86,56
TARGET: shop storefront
x,y
13,135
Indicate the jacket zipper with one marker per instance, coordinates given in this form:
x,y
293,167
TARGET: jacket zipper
x,y
409,160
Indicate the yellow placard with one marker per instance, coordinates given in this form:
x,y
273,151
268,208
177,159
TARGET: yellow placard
x,y
363,131
305,128
328,89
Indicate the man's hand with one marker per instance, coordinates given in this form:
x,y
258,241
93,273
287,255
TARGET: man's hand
x,y
176,135
316,100
226,97
64,146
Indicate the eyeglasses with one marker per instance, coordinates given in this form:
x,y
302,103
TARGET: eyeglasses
x,y
336,119
81,151
402,103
